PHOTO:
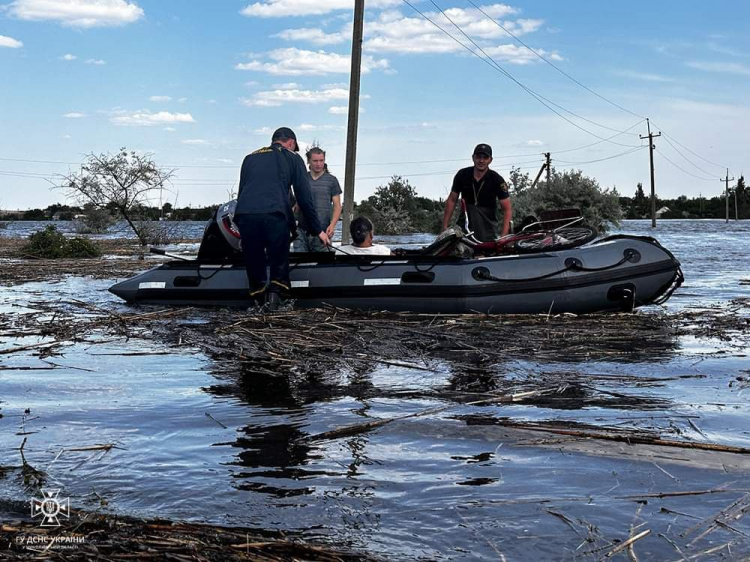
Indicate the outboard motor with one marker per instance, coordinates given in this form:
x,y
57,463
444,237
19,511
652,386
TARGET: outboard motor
x,y
221,238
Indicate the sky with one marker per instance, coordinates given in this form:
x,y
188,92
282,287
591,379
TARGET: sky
x,y
199,84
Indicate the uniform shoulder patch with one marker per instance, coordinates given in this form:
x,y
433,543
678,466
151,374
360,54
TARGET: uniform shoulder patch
x,y
262,150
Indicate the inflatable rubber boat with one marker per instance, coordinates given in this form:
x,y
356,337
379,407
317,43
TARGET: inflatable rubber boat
x,y
619,272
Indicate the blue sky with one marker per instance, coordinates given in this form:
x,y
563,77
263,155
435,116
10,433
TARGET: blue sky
x,y
200,84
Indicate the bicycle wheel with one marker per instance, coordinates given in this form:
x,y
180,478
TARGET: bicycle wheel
x,y
553,240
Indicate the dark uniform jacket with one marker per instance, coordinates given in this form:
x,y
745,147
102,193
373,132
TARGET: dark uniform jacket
x,y
265,178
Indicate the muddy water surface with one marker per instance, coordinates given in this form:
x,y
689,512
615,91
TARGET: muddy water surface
x,y
196,440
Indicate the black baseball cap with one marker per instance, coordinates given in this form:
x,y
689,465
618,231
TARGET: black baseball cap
x,y
483,149
285,133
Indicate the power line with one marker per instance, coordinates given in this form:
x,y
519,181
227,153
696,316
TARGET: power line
x,y
681,168
685,157
561,71
496,66
631,151
692,152
597,142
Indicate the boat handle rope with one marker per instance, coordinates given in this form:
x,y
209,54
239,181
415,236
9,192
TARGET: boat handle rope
x,y
677,281
571,264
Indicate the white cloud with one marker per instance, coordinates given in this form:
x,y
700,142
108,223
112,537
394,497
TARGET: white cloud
x,y
196,142
98,62
182,100
642,76
724,50
314,36
396,33
9,42
724,67
211,101
275,98
75,115
78,13
160,99
309,127
342,109
68,56
286,86
296,62
691,107
146,119
263,131
518,55
534,143
280,8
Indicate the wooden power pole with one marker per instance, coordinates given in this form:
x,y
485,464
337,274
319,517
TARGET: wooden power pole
x,y
651,148
351,132
546,165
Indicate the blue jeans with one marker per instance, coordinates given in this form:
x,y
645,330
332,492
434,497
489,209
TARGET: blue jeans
x,y
265,242
308,243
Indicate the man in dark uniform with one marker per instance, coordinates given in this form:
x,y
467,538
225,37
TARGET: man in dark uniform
x,y
264,213
481,189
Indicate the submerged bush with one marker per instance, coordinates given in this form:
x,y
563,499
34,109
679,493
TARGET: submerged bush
x,y
94,220
571,189
49,243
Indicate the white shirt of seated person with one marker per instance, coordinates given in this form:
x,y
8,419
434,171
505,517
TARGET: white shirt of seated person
x,y
367,248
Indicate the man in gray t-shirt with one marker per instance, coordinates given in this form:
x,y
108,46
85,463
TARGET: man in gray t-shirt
x,y
326,193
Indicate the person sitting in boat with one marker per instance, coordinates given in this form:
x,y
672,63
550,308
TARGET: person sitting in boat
x,y
480,189
362,233
326,193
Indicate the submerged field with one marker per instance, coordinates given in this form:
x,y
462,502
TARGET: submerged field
x,y
389,436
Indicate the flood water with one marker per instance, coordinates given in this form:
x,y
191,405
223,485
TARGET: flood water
x,y
198,443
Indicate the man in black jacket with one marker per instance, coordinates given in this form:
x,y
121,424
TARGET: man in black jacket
x,y
264,213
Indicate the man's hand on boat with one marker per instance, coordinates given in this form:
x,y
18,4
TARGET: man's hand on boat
x,y
324,238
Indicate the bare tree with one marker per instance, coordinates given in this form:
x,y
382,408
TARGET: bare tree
x,y
123,182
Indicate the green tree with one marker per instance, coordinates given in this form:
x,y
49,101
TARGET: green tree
x,y
520,181
95,219
599,207
395,208
743,199
125,182
34,215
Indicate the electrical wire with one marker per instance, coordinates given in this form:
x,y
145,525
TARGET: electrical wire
x,y
561,71
694,165
496,66
681,168
686,148
631,151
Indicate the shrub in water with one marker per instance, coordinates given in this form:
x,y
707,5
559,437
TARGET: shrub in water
x,y
49,243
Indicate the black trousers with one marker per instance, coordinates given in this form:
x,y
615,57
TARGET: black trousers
x,y
265,242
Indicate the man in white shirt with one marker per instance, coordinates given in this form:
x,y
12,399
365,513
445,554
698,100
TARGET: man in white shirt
x,y
362,232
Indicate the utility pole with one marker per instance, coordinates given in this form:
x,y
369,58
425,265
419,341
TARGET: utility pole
x,y
351,132
727,179
546,165
651,148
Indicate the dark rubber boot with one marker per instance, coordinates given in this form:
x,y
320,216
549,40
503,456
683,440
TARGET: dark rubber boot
x,y
273,300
